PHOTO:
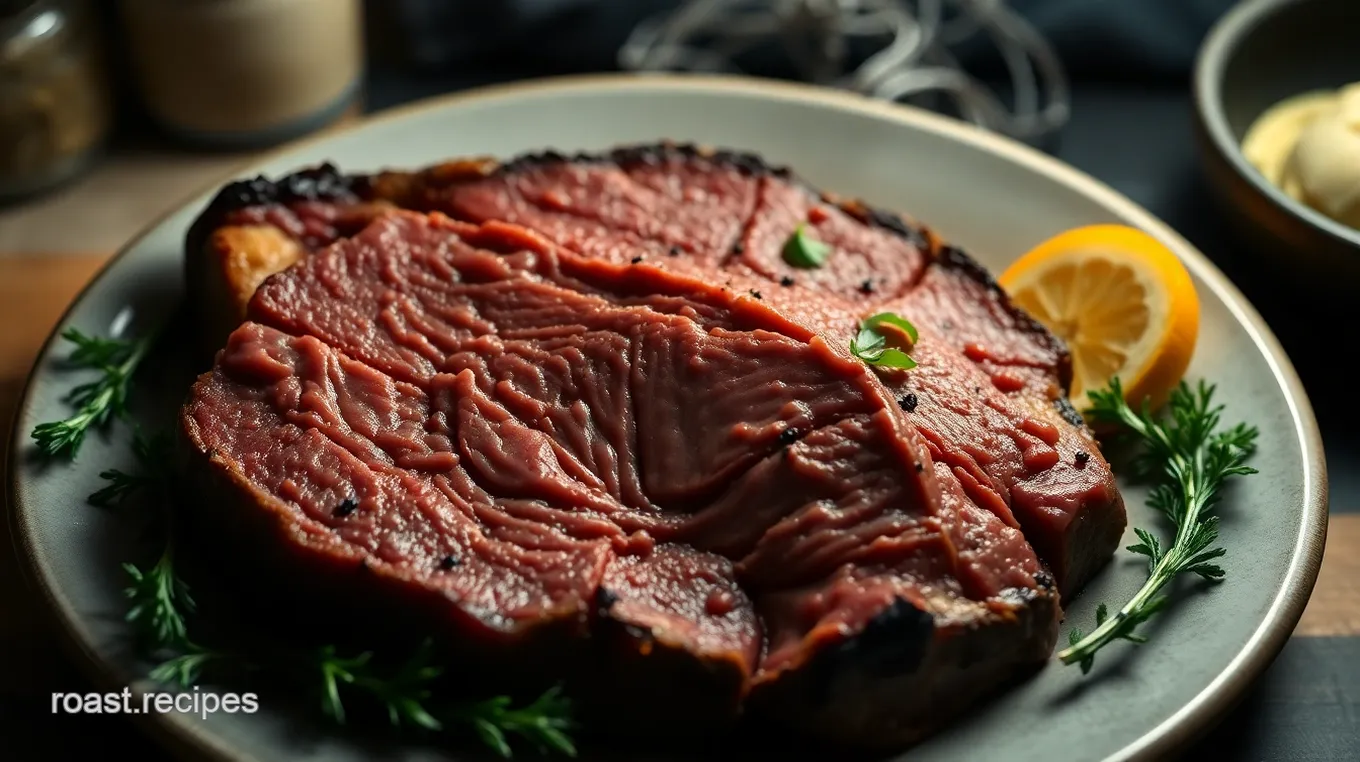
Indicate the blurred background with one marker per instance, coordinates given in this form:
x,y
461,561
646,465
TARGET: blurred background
x,y
150,99
114,111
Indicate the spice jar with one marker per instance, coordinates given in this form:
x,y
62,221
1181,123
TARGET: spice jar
x,y
245,73
54,105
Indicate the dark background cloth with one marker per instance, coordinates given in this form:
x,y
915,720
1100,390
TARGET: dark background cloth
x,y
1098,39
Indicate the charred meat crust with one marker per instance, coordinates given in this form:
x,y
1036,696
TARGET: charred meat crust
x,y
628,660
326,183
956,258
905,675
1069,413
651,153
894,642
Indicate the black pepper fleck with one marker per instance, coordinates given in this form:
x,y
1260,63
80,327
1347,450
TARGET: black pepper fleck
x,y
908,402
920,467
674,251
947,325
738,247
448,562
605,600
786,281
755,293
787,437
346,507
867,287
1082,458
637,260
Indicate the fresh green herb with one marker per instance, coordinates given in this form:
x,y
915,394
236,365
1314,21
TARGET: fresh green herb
x,y
159,602
871,345
404,692
96,401
185,669
802,250
1189,459
152,454
120,487
545,722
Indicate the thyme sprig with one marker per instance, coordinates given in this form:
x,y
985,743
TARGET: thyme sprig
x,y
97,401
545,722
406,691
1189,460
152,454
159,602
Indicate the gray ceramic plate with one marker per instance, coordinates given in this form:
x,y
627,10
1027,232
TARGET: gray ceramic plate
x,y
992,196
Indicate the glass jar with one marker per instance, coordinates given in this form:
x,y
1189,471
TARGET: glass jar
x,y
245,73
55,113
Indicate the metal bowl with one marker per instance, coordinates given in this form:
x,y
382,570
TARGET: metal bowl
x,y
1258,54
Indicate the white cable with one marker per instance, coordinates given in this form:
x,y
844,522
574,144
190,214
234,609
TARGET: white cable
x,y
912,58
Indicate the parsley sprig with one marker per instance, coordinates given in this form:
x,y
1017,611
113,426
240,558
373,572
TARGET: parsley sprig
x,y
871,343
97,401
804,251
1189,459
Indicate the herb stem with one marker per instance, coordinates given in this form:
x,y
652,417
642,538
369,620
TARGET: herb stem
x,y
1113,628
98,400
1191,461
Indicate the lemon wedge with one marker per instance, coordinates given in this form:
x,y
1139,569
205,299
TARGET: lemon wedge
x,y
1122,301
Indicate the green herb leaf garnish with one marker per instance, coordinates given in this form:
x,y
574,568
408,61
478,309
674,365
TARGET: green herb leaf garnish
x,y
871,345
159,602
544,723
406,694
1189,460
802,250
96,401
152,454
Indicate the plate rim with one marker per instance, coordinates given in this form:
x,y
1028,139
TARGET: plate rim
x,y
186,738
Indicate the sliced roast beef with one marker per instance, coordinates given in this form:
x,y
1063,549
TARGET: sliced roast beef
x,y
696,483
1003,425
